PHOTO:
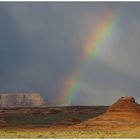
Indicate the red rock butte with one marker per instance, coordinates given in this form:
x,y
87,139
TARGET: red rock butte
x,y
122,115
125,109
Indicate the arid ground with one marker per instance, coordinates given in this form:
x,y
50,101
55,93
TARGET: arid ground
x,y
59,122
46,122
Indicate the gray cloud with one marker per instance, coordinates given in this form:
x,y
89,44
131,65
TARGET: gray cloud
x,y
40,44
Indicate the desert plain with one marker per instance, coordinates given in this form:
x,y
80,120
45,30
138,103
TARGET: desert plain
x,y
119,120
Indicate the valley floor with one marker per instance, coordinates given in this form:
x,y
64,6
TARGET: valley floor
x,y
54,122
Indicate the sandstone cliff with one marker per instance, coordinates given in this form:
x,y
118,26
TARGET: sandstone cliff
x,y
21,100
125,109
122,115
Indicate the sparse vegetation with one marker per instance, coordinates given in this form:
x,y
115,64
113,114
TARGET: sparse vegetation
x,y
135,133
36,133
44,119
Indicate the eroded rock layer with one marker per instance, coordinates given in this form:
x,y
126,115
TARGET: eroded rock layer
x,y
122,115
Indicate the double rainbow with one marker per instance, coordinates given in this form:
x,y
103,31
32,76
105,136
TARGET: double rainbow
x,y
94,44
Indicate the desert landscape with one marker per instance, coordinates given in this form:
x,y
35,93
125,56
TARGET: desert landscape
x,y
42,121
70,69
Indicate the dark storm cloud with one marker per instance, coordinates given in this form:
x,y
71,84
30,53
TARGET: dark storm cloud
x,y
105,84
40,44
12,48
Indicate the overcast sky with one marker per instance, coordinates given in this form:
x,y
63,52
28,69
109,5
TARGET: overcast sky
x,y
40,44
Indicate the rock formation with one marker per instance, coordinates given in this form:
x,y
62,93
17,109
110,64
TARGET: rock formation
x,y
21,100
125,109
125,104
122,115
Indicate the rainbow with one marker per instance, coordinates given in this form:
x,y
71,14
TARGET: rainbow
x,y
92,47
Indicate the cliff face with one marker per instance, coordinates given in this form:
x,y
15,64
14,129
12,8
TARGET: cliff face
x,y
125,104
21,100
125,109
122,115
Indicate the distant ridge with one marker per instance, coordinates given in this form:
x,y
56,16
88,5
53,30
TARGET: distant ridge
x,y
21,100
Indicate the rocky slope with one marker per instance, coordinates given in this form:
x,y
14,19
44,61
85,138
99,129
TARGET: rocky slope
x,y
122,115
21,100
125,109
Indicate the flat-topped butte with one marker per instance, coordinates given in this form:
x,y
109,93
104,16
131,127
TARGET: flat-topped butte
x,y
21,100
